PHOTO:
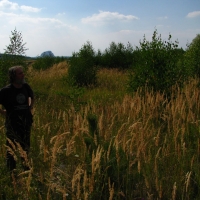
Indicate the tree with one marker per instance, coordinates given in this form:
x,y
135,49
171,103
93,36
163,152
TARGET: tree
x,y
82,70
16,46
118,56
13,55
156,66
192,60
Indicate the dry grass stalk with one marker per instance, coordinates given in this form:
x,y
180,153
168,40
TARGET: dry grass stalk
x,y
23,155
100,122
187,180
59,139
14,182
174,192
70,147
96,159
44,150
111,189
12,144
85,185
76,181
109,149
26,180
156,171
10,150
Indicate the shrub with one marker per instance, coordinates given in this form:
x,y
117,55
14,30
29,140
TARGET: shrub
x,y
43,63
82,70
156,65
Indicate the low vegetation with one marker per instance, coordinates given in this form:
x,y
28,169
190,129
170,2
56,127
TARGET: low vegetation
x,y
101,143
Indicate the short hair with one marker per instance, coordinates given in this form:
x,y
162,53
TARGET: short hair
x,y
12,72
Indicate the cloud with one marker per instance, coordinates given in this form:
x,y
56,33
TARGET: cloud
x,y
5,4
61,14
162,18
25,21
193,14
30,9
105,17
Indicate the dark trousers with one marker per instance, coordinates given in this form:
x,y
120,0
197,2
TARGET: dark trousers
x,y
17,133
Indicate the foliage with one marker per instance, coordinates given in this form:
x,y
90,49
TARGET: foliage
x,y
46,62
192,60
118,56
82,69
59,59
16,46
156,65
99,58
43,63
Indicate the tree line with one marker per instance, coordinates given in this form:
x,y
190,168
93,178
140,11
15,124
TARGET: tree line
x,y
157,64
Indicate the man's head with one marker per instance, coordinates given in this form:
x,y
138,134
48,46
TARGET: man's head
x,y
16,75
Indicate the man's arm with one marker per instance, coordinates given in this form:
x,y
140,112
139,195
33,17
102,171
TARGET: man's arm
x,y
31,96
31,103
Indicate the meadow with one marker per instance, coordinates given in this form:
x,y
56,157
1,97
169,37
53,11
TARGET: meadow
x,y
103,143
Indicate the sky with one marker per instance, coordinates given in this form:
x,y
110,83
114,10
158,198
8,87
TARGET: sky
x,y
64,26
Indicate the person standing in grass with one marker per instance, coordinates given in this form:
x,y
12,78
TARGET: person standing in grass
x,y
17,101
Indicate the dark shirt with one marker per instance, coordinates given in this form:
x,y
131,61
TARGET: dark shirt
x,y
16,101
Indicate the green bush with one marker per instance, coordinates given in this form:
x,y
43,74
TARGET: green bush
x,y
156,65
82,70
59,59
118,56
43,63
192,54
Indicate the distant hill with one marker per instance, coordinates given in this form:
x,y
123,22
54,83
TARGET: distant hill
x,y
47,54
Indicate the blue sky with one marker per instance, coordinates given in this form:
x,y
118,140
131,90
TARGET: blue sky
x,y
64,26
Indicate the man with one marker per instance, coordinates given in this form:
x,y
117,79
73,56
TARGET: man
x,y
17,100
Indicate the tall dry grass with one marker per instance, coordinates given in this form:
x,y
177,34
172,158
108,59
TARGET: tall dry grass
x,y
134,147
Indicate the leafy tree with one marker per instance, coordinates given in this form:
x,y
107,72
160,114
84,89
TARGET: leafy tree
x,y
156,65
118,56
192,54
82,70
99,58
13,55
16,46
